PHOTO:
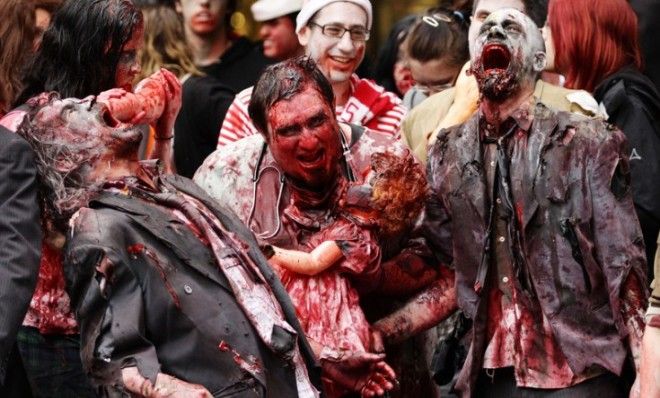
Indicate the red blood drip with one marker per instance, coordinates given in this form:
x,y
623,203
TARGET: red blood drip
x,y
136,248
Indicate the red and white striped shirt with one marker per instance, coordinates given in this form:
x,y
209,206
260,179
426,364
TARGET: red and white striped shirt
x,y
369,105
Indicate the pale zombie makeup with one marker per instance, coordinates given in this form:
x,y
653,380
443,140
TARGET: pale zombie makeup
x,y
483,9
279,38
202,17
509,54
337,58
88,130
128,66
303,138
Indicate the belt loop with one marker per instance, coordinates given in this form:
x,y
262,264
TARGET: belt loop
x,y
491,374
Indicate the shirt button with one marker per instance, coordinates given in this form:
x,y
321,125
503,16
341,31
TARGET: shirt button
x,y
187,289
499,201
505,279
492,163
501,239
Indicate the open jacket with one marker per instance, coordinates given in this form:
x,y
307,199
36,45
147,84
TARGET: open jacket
x,y
163,304
580,237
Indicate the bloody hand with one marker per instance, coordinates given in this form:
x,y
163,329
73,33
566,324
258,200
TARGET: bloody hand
x,y
361,372
173,92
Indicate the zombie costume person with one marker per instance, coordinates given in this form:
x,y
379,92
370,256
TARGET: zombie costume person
x,y
171,293
557,289
327,305
304,153
323,29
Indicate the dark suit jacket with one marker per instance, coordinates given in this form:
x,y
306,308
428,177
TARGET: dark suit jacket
x,y
580,237
165,306
20,237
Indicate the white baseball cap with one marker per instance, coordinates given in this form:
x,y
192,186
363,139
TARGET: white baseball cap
x,y
311,7
265,10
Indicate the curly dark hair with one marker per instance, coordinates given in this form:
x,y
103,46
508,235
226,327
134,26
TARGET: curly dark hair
x,y
80,50
282,81
399,190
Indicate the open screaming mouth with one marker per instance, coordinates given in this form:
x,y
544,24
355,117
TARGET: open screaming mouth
x,y
495,57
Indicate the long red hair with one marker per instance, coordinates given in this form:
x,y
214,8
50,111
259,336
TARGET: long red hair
x,y
593,39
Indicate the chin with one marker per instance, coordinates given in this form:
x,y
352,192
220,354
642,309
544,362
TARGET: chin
x,y
339,76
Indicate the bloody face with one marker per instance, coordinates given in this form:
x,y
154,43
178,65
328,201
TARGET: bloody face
x,y
87,132
128,66
303,137
279,38
509,54
338,58
202,17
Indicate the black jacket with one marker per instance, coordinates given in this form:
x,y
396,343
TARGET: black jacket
x,y
20,237
240,66
166,306
633,105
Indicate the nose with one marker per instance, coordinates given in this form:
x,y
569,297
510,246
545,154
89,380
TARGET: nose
x,y
496,32
264,31
345,43
308,140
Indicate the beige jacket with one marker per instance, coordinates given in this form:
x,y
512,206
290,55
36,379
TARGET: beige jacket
x,y
421,124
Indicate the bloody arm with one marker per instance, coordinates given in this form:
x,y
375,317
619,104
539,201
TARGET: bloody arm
x,y
423,311
318,260
633,302
165,386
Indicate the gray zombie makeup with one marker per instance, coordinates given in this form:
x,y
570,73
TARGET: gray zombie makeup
x,y
509,53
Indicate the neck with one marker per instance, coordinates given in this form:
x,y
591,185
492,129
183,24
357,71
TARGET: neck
x,y
208,49
495,112
342,91
115,169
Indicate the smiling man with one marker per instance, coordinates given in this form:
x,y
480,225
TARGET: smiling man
x,y
334,34
556,287
278,27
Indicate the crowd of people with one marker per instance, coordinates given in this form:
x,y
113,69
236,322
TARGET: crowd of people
x,y
190,213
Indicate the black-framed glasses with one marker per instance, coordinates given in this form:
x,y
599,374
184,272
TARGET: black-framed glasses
x,y
335,31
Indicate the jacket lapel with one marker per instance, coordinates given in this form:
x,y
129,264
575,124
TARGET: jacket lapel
x,y
162,225
471,170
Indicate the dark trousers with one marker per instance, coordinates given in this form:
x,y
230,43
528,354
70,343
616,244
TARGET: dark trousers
x,y
52,364
503,385
16,383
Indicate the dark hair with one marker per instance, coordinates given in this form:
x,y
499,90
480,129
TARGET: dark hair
x,y
16,35
282,81
439,34
390,53
49,5
537,10
80,50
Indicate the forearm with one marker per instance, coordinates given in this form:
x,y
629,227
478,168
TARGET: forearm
x,y
163,149
423,311
318,260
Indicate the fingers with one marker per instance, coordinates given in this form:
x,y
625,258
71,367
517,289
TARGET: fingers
x,y
377,344
384,368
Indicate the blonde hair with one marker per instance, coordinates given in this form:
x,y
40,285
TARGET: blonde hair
x,y
164,44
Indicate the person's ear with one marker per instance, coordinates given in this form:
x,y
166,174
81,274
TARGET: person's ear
x,y
303,36
539,61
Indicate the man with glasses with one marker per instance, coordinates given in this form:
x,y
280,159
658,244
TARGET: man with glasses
x,y
334,34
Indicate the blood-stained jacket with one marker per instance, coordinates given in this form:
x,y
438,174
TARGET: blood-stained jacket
x,y
160,302
580,237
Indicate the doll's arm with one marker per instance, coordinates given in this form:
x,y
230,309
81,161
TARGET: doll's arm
x,y
318,260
